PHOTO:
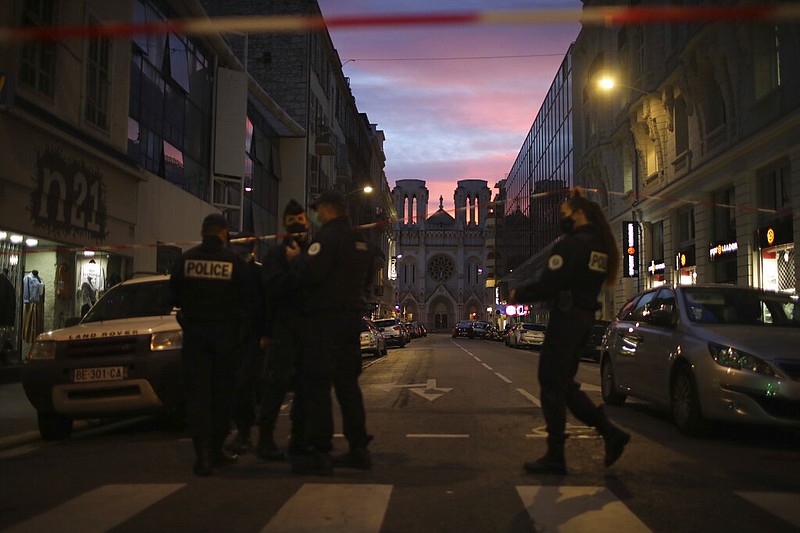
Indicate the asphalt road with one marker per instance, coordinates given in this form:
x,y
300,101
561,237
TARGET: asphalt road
x,y
453,422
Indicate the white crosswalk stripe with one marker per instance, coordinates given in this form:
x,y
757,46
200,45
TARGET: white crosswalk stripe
x,y
336,508
567,509
98,510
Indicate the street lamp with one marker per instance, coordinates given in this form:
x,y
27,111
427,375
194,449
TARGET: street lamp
x,y
608,84
366,190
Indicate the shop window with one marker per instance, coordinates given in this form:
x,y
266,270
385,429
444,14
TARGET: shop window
x,y
38,59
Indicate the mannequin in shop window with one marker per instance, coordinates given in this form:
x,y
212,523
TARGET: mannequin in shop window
x,y
33,301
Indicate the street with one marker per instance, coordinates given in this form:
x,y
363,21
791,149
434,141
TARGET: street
x,y
453,420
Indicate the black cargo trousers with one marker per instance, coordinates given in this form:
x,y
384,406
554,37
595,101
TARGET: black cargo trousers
x,y
332,357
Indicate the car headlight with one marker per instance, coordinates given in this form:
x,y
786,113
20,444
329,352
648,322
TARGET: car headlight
x,y
730,357
166,340
43,350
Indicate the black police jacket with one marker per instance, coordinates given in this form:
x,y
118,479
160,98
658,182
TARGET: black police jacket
x,y
335,269
574,274
283,291
210,284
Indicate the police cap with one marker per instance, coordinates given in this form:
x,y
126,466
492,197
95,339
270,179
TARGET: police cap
x,y
329,197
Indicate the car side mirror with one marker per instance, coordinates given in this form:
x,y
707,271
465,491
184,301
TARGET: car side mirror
x,y
661,317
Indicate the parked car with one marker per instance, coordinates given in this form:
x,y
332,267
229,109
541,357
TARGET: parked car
x,y
528,335
595,341
372,340
463,328
122,358
480,329
708,353
393,331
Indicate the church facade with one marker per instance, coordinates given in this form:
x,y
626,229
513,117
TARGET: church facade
x,y
440,265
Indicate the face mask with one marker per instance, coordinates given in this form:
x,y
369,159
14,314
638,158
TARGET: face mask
x,y
314,219
297,227
567,224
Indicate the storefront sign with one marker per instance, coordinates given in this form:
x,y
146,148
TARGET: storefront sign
x,y
657,267
719,250
68,197
630,258
685,258
780,232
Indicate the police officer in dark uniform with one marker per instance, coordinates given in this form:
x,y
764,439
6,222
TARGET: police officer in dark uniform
x,y
210,287
581,262
335,272
287,328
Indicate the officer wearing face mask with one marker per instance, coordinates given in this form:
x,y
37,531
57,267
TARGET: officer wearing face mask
x,y
286,329
210,286
335,272
583,260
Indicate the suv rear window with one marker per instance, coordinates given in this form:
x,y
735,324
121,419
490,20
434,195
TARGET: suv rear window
x,y
131,301
385,323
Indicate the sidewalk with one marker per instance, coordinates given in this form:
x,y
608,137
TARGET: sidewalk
x,y
17,416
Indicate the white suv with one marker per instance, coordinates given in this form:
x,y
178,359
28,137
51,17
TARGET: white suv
x,y
393,331
122,358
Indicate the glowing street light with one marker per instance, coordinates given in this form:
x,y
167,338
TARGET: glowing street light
x,y
608,84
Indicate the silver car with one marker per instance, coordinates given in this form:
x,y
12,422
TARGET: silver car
x,y
709,353
372,341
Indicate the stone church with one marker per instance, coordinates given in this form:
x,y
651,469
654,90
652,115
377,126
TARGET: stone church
x,y
440,262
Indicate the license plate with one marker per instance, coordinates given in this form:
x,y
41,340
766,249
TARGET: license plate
x,y
108,373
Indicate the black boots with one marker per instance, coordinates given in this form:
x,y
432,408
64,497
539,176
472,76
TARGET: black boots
x,y
552,462
615,439
354,458
314,463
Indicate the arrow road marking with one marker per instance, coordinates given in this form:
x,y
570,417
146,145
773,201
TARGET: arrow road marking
x,y
428,390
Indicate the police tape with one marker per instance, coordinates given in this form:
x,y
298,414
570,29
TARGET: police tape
x,y
587,16
561,194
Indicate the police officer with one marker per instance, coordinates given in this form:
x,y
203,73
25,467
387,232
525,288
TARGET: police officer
x,y
209,285
335,272
248,390
287,327
581,262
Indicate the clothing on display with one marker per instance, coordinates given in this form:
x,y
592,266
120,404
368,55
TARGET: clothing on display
x,y
94,274
33,311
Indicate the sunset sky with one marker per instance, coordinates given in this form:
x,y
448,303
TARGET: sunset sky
x,y
450,119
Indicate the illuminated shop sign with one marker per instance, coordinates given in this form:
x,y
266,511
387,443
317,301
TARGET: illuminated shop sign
x,y
630,258
720,250
657,267
685,258
517,310
776,234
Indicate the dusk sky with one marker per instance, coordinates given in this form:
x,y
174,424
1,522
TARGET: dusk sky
x,y
450,119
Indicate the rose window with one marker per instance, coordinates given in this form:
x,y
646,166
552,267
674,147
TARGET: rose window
x,y
441,268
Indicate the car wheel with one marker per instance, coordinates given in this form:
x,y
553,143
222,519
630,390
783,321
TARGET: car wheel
x,y
686,405
608,384
377,352
53,426
384,350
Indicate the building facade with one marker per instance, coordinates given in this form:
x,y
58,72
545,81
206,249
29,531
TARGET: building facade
x,y
696,156
113,150
441,259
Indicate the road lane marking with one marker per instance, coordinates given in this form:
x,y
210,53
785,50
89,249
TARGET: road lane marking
x,y
437,435
99,510
569,509
427,390
530,397
487,367
332,507
782,504
501,376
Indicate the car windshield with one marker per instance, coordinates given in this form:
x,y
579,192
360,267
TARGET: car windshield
x,y
385,323
741,307
130,301
534,327
464,325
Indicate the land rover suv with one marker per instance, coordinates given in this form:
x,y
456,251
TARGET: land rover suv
x,y
121,359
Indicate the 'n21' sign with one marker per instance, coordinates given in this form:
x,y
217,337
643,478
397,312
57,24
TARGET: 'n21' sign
x,y
68,197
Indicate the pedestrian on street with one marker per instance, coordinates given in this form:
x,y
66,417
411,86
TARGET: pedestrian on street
x,y
248,390
583,260
335,271
286,329
210,287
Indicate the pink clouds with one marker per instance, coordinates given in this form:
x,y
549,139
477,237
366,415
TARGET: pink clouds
x,y
454,119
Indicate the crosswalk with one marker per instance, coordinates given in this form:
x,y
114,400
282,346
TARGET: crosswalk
x,y
361,508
